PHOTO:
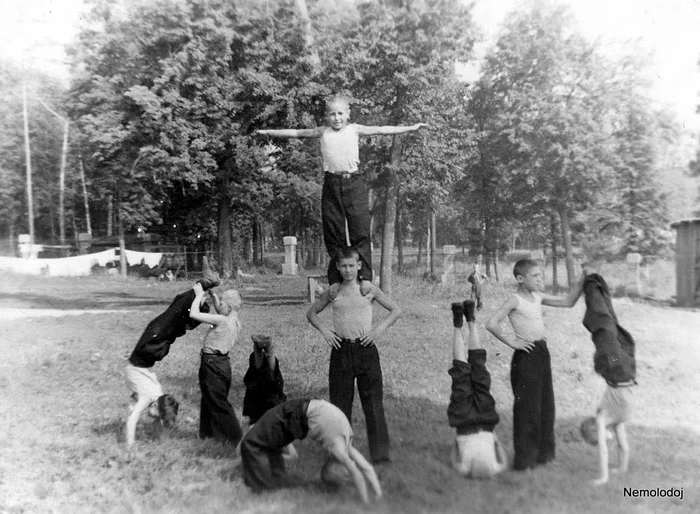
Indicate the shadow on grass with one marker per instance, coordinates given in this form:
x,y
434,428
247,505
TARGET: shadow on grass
x,y
94,301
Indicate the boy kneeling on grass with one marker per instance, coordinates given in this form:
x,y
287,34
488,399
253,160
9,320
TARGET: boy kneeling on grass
x,y
613,360
262,448
477,452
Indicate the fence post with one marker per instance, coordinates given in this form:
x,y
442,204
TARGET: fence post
x,y
634,284
290,254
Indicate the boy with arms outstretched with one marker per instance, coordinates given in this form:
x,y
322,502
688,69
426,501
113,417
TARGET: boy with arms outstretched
x,y
477,452
531,368
344,197
353,350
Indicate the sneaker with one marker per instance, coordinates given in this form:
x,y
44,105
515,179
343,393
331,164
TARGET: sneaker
x,y
209,279
469,310
458,314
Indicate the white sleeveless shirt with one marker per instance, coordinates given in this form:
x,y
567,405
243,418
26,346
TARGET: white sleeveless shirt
x,y
527,319
340,149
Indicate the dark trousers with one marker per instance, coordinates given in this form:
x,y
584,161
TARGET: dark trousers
x,y
352,361
471,408
261,448
159,334
533,407
346,199
217,418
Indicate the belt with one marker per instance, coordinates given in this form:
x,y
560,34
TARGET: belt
x,y
344,174
343,340
628,383
215,353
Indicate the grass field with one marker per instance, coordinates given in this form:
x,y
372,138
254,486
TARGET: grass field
x,y
63,403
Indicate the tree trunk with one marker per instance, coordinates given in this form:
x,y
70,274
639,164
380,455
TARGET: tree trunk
x,y
420,250
428,247
399,234
392,187
61,190
566,233
433,242
225,239
28,153
110,216
257,242
307,31
122,242
85,199
555,260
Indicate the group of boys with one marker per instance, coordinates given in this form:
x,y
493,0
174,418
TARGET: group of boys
x,y
277,422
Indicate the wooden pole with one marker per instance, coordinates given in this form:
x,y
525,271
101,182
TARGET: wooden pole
x,y
30,201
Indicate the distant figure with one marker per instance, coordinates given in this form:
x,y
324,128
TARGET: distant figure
x,y
263,446
344,198
217,418
614,360
476,277
531,368
354,354
477,452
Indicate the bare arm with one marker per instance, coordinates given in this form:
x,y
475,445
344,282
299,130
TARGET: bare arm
x,y
493,325
623,447
331,338
195,314
568,300
365,130
341,455
602,451
367,471
141,405
394,313
289,133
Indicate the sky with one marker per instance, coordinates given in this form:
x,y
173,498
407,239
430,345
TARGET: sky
x,y
35,31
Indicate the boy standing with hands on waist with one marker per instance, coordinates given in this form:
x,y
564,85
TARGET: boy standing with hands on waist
x,y
344,197
353,352
531,368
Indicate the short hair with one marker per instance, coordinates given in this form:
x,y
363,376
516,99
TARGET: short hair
x,y
232,299
167,410
337,99
347,252
523,266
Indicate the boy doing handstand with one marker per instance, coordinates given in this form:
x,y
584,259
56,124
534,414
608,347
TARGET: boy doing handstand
x,y
477,452
344,197
531,368
614,361
353,350
152,347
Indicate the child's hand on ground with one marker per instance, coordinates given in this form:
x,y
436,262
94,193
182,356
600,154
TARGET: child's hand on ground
x,y
420,125
600,481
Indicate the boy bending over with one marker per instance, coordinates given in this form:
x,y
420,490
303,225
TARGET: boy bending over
x,y
477,452
262,448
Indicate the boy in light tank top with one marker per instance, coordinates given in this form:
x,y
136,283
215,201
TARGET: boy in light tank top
x,y
344,200
354,354
531,369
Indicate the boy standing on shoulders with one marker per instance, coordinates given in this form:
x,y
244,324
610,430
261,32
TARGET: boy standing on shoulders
x,y
353,350
344,197
531,368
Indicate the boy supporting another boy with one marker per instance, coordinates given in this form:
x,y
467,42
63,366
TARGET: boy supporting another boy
x,y
264,385
344,196
472,411
217,418
353,352
614,360
153,346
531,368
262,448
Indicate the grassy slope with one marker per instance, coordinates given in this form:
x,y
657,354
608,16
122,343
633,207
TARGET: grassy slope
x,y
63,402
